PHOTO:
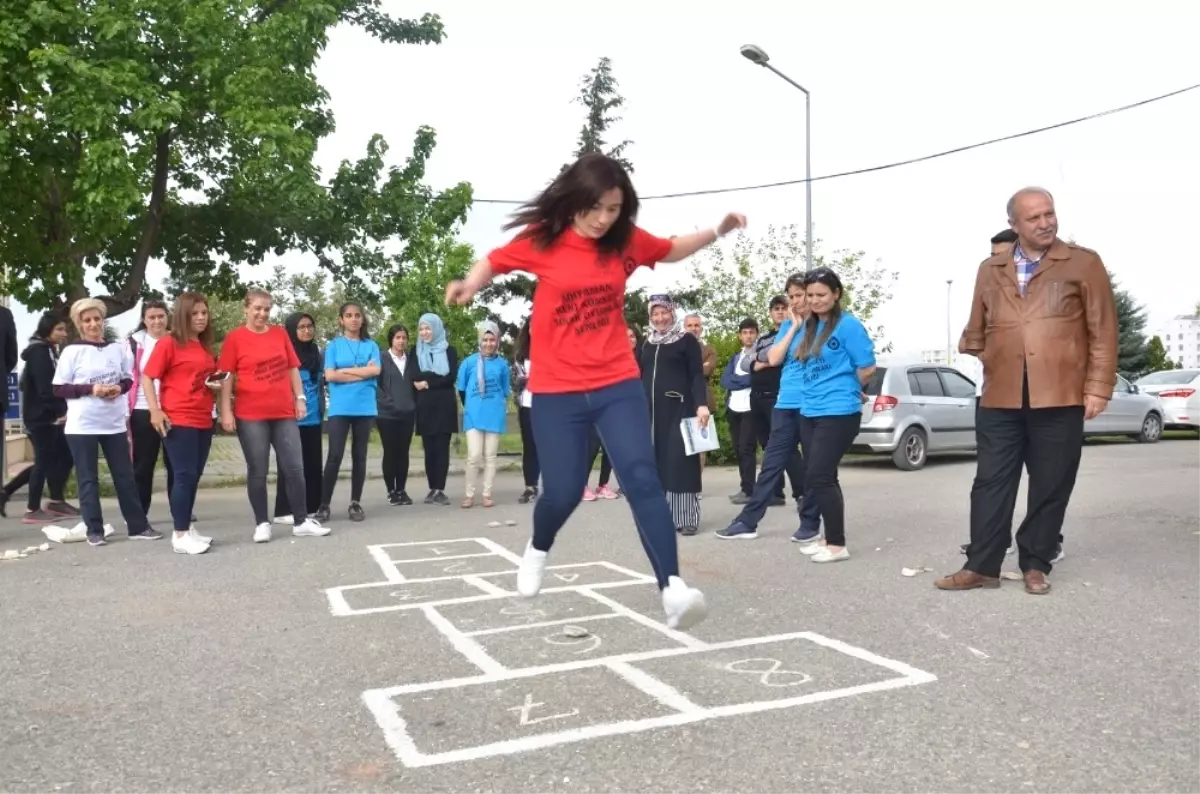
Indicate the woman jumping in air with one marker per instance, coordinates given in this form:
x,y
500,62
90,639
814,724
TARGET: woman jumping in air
x,y
579,240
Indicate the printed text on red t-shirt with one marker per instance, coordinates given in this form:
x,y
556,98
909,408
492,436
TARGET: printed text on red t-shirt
x,y
589,309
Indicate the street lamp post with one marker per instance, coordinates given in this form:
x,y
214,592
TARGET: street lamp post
x,y
758,55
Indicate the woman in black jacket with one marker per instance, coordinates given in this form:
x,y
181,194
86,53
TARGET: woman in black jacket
x,y
437,404
44,416
396,403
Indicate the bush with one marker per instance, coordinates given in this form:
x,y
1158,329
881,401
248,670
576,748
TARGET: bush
x,y
727,346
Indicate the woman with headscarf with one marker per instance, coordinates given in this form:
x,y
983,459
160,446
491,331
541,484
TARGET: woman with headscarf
x,y
484,385
673,376
302,330
437,407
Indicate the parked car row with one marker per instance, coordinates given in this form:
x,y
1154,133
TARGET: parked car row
x,y
913,411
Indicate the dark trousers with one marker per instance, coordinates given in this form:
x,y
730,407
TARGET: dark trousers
x,y
762,408
52,464
1048,443
186,450
146,445
257,437
620,413
338,428
86,452
825,440
437,460
311,461
594,448
778,457
396,435
745,445
530,467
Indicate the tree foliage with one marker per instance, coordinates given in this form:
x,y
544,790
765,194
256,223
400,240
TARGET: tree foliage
x,y
740,282
1132,349
435,260
140,129
1157,358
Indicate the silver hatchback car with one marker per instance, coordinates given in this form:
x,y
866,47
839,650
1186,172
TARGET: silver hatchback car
x,y
917,410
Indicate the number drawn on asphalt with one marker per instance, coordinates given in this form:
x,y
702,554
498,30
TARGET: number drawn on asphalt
x,y
587,644
439,550
405,595
523,612
457,567
770,672
529,705
566,577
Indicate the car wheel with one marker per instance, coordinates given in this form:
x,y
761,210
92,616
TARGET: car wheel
x,y
1152,427
911,451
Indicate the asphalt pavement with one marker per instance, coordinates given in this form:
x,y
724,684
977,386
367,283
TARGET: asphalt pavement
x,y
264,667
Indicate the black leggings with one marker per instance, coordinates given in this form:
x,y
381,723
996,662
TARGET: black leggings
x,y
52,463
396,435
338,428
437,460
311,460
529,455
146,446
824,440
594,446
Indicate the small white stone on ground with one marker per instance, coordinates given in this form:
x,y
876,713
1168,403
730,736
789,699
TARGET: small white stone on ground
x,y
575,632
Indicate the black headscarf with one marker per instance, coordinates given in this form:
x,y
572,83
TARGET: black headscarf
x,y
308,352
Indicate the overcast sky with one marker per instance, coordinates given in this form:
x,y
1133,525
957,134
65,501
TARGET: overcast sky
x,y
888,82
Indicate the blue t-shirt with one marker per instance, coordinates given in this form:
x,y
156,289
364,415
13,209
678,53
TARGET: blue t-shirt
x,y
357,398
312,391
789,379
827,384
489,411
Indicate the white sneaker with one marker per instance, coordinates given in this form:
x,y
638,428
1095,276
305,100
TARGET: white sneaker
x,y
825,555
311,528
205,539
531,571
262,533
685,606
809,549
285,521
187,544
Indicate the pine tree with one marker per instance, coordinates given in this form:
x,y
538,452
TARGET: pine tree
x,y
600,95
1156,356
1132,351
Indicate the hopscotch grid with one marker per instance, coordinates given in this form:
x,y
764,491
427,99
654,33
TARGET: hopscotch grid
x,y
486,586
447,558
351,612
656,688
390,572
616,606
541,625
466,646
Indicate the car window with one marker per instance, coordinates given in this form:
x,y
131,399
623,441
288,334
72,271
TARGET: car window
x,y
925,383
957,385
1169,376
875,384
1122,386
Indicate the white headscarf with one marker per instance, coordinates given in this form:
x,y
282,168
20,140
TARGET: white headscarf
x,y
486,327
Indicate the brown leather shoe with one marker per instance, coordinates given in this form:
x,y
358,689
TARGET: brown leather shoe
x,y
1036,583
966,580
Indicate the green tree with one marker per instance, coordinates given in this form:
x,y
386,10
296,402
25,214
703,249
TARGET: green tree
x,y
1157,359
741,283
317,294
139,129
1132,351
601,98
434,260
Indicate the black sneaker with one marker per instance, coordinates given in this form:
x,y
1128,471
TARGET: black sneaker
x,y
356,512
737,530
150,534
528,496
97,540
689,531
38,517
440,498
777,501
393,498
739,498
4,497
429,497
63,509
322,514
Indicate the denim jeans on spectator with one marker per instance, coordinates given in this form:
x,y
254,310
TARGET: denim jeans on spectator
x,y
780,455
257,438
187,450
85,451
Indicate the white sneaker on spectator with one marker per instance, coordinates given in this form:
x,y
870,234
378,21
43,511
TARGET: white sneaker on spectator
x,y
311,528
262,533
186,544
205,539
285,521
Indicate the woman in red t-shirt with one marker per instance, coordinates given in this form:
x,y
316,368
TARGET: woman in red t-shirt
x,y
265,373
580,241
182,410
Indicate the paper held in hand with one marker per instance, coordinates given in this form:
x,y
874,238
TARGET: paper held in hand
x,y
696,438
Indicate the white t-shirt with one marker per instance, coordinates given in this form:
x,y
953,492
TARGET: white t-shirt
x,y
739,399
526,396
145,345
83,363
400,361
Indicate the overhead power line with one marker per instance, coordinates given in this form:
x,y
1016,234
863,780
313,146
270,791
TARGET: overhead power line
x,y
898,164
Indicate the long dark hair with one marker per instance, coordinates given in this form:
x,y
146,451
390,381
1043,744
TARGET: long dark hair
x,y
576,190
396,328
365,331
181,321
147,306
523,346
812,344
46,325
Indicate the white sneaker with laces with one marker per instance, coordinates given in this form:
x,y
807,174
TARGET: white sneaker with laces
x,y
825,555
262,533
187,544
311,528
813,548
285,521
685,606
531,571
205,539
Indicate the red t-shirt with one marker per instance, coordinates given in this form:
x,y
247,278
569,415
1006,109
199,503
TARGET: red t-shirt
x,y
181,371
261,363
577,333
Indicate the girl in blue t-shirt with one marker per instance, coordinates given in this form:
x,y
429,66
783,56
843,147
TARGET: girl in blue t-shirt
x,y
351,370
484,386
836,357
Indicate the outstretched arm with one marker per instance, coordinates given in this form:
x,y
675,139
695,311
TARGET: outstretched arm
x,y
685,245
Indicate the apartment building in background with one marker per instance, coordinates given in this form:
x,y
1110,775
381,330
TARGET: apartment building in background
x,y
1181,339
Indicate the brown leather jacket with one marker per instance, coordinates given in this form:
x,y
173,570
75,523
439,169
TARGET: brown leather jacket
x,y
1064,331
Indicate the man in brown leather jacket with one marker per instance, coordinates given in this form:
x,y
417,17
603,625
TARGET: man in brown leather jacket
x,y
1044,325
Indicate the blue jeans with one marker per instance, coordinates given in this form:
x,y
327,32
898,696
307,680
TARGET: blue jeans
x,y
621,415
85,450
781,448
187,450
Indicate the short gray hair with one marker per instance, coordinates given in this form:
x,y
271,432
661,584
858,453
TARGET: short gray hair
x,y
1025,191
79,307
690,315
